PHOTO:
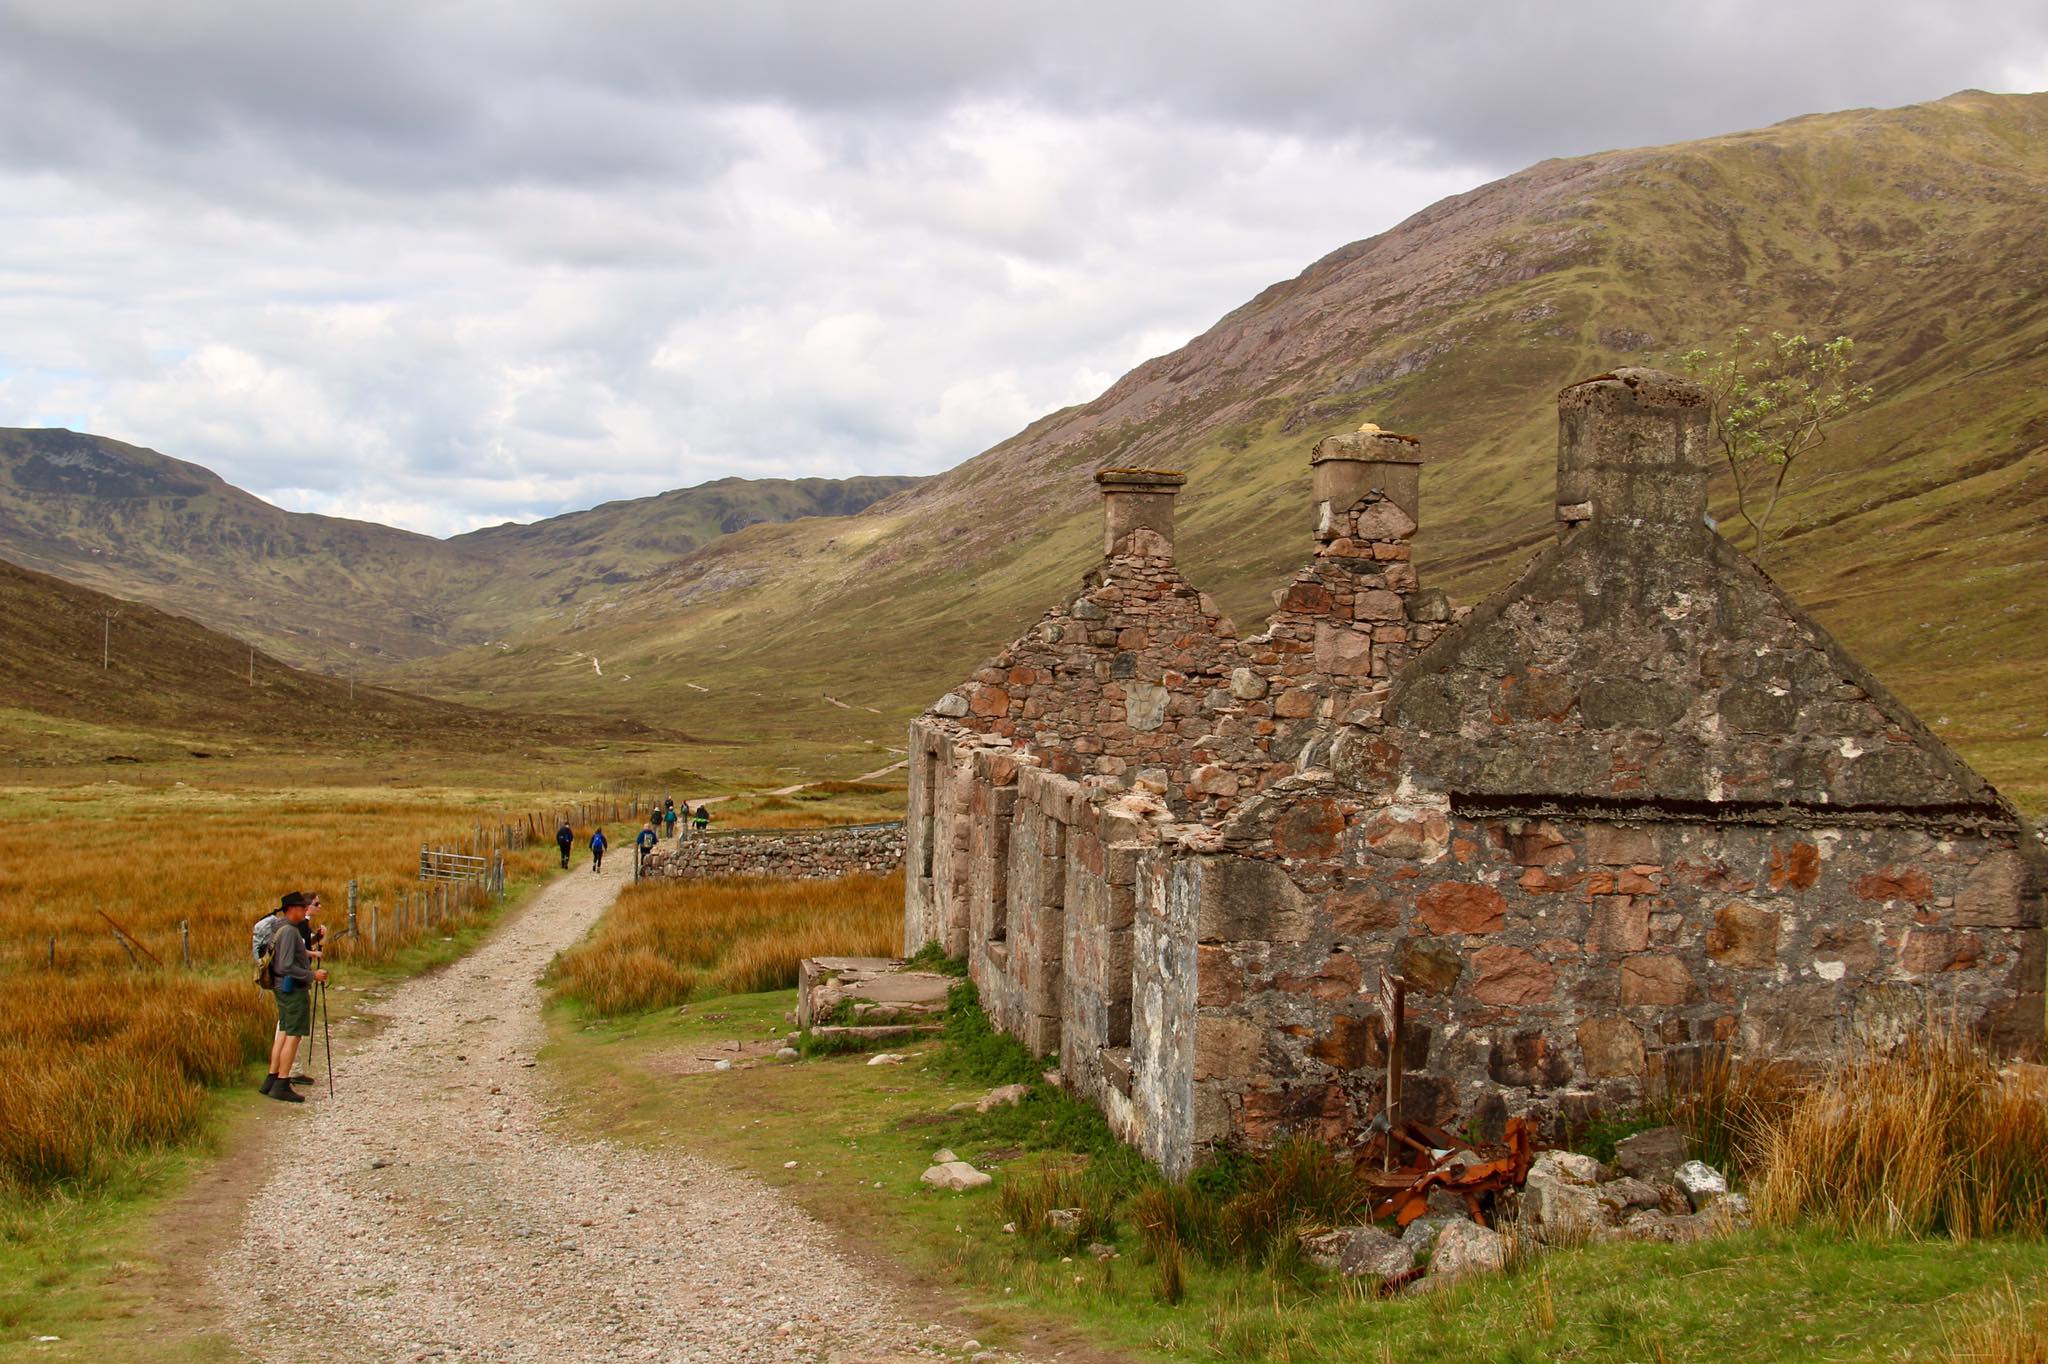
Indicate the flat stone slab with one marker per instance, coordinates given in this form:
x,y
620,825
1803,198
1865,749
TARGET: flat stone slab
x,y
823,983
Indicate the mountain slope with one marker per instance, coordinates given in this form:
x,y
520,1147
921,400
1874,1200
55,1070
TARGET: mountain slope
x,y
335,593
1913,534
71,654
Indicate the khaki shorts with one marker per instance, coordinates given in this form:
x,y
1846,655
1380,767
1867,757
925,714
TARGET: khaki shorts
x,y
295,1010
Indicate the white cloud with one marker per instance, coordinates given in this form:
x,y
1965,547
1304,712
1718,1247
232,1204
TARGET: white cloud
x,y
448,262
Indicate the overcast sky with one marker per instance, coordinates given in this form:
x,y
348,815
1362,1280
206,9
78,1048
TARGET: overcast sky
x,y
447,264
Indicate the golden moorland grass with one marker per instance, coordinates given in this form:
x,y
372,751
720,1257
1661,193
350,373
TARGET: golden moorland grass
x,y
1931,1138
101,1056
664,940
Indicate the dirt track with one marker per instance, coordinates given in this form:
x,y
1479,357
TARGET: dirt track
x,y
437,1214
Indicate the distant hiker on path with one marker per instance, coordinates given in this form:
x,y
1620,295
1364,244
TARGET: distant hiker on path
x,y
598,843
296,975
670,815
703,817
645,842
565,838
684,814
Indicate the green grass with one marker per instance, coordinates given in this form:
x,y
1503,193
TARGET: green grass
x,y
861,1135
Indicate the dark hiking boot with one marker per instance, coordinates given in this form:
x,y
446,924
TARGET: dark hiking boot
x,y
269,1081
286,1094
300,1080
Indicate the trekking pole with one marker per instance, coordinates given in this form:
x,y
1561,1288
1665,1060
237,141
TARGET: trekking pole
x,y
327,1038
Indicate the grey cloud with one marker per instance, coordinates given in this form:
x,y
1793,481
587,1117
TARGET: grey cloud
x,y
450,262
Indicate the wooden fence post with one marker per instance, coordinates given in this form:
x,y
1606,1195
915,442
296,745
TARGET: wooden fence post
x,y
185,940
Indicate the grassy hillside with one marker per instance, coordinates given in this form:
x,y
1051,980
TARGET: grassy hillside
x,y
340,595
1912,533
91,678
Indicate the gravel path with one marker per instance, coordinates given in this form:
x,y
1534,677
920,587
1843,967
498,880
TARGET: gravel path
x,y
438,1214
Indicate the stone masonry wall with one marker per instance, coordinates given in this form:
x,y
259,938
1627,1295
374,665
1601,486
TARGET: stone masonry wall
x,y
1116,683
802,854
1558,966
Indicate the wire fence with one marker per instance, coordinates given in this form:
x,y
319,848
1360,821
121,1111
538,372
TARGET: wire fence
x,y
459,879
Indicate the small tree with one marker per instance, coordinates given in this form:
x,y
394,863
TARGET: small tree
x,y
1774,397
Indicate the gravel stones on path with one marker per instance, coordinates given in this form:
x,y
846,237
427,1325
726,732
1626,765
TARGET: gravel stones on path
x,y
434,1212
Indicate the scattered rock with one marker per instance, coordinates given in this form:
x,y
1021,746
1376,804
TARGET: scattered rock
x,y
1465,1249
789,1165
955,1174
1002,1096
787,1054
1101,1250
1421,1234
721,1065
1067,1220
1652,1156
1560,1210
1361,1252
1569,1167
380,1162
1700,1182
944,1156
1626,1193
885,1058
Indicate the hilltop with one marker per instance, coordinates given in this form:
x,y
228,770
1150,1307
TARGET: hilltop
x,y
347,595
1912,533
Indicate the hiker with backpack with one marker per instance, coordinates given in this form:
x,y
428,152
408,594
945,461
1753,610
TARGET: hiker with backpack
x,y
703,816
669,815
565,838
284,965
646,840
259,944
683,817
598,843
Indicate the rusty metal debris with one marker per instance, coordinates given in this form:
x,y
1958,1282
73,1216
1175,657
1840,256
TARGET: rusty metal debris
x,y
1414,1159
1418,1159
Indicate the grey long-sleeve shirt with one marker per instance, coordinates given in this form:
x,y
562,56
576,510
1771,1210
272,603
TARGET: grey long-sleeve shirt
x,y
289,954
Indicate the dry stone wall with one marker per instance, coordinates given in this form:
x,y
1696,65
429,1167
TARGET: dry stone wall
x,y
800,854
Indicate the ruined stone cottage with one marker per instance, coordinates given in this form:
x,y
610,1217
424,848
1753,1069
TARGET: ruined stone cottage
x,y
1633,809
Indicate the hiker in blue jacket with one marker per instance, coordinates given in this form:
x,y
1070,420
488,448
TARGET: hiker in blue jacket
x,y
646,841
598,843
565,838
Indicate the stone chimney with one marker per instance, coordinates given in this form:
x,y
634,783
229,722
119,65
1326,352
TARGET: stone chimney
x,y
1632,450
1135,500
1345,467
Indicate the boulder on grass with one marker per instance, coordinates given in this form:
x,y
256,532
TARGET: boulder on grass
x,y
955,1174
1358,1252
1002,1096
1560,1211
1466,1249
1700,1182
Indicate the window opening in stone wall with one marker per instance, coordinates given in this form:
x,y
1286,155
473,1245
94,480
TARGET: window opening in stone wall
x,y
928,789
999,880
